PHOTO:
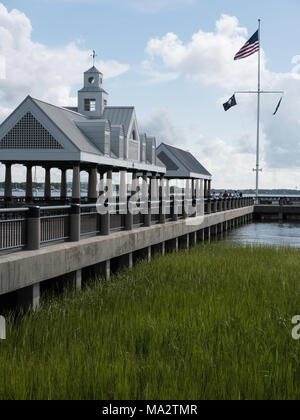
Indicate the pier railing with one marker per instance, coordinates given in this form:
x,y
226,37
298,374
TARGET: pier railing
x,y
279,200
33,227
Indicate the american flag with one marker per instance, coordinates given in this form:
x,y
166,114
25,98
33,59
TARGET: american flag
x,y
251,47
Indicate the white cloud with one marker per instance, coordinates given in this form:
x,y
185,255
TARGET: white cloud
x,y
153,75
45,72
231,163
161,124
208,58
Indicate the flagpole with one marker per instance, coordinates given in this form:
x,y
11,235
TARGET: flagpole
x,y
258,115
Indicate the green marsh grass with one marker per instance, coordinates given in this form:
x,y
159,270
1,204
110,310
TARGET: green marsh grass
x,y
214,323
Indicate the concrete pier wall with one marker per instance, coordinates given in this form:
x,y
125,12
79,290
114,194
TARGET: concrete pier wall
x,y
24,269
268,212
24,272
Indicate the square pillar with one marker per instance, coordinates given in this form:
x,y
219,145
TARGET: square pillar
x,y
63,184
154,194
172,245
209,188
103,269
29,192
105,218
92,186
145,196
47,192
159,248
129,215
206,188
78,280
162,215
76,194
123,208
8,185
193,238
126,261
143,254
184,242
208,233
29,297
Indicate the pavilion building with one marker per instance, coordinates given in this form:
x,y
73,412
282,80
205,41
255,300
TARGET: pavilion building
x,y
92,137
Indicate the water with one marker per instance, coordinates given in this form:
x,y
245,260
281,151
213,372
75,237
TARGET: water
x,y
277,234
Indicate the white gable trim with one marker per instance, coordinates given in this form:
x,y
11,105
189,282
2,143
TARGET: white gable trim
x,y
133,126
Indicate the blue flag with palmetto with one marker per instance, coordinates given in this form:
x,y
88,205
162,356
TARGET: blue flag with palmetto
x,y
229,104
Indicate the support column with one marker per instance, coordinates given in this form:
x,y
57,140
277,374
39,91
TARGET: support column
x,y
208,234
209,188
205,188
129,215
126,261
172,245
193,238
33,228
167,198
29,297
187,197
143,254
29,192
76,194
8,186
103,269
47,193
75,223
145,196
162,215
92,188
184,242
149,254
77,280
63,184
159,249
123,193
200,197
105,218
221,230
194,196
154,195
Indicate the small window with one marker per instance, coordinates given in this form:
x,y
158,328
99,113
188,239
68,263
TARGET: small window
x,y
134,135
90,105
105,102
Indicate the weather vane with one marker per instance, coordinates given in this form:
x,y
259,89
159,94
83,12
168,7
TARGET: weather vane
x,y
94,55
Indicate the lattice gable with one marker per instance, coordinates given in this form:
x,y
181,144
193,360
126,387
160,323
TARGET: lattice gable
x,y
29,133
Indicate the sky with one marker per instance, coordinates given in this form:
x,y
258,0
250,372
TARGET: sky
x,y
172,60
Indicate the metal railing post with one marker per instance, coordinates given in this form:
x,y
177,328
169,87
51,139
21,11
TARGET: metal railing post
x,y
162,207
208,206
75,223
34,228
128,217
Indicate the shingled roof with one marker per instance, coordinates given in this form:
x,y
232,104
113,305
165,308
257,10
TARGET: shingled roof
x,y
65,120
119,115
182,158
